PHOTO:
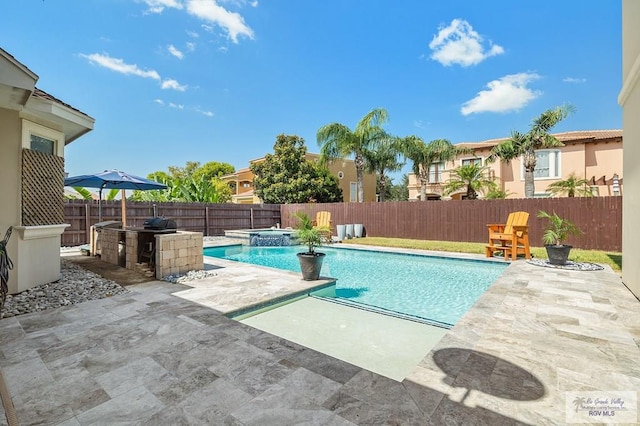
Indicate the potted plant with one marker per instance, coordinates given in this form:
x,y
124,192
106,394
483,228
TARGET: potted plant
x,y
307,234
555,232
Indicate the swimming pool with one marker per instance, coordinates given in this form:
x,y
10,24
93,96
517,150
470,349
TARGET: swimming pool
x,y
432,289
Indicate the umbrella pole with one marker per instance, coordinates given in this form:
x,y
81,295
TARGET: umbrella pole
x,y
123,207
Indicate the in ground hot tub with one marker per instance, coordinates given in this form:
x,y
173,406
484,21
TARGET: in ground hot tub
x,y
265,237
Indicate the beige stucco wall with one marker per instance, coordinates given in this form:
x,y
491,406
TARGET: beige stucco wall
x,y
38,256
25,111
629,99
9,168
30,249
347,169
10,188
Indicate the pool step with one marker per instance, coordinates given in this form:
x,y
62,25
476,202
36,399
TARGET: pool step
x,y
370,308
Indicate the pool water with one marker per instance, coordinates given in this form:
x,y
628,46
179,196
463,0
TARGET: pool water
x,y
439,290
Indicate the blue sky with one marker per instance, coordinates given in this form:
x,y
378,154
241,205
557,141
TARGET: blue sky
x,y
171,81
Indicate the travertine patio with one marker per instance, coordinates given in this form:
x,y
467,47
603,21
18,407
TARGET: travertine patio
x,y
155,357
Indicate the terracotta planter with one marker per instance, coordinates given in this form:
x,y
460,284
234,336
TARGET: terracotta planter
x,y
310,265
558,255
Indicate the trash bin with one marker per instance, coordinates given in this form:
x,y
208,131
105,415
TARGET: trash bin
x,y
349,230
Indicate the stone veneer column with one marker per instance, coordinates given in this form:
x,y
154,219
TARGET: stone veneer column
x,y
109,245
132,249
178,253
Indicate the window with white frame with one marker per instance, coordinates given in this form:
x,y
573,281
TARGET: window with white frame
x,y
353,191
468,161
42,139
40,144
435,172
547,164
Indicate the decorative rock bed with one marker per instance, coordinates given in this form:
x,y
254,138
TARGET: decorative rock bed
x,y
571,266
77,285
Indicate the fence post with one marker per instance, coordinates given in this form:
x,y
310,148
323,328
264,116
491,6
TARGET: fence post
x,y
206,221
87,221
251,218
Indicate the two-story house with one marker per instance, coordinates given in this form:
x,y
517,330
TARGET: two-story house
x,y
595,155
241,182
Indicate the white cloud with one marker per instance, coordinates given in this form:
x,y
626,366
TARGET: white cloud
x,y
118,65
574,80
193,34
459,44
177,106
159,102
190,46
212,12
207,113
173,84
240,3
158,6
509,93
175,52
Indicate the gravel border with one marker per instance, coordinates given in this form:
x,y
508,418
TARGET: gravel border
x,y
76,285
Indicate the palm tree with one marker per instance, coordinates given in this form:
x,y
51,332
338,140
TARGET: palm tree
x,y
525,144
571,186
425,155
383,159
337,141
470,176
496,193
85,194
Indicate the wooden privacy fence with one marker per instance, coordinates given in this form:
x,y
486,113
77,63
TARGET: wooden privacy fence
x,y
600,218
210,219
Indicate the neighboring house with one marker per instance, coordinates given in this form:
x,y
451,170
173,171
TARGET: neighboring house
x,y
595,155
241,182
629,99
34,129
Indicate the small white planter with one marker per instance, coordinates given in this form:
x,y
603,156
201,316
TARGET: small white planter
x,y
349,230
357,230
342,231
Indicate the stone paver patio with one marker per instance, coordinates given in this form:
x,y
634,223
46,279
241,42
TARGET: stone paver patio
x,y
165,354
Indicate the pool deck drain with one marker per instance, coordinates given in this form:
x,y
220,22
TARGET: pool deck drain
x,y
534,339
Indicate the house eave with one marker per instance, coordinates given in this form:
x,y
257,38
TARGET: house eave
x,y
71,122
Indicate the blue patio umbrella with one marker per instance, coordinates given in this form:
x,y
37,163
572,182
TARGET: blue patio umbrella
x,y
112,179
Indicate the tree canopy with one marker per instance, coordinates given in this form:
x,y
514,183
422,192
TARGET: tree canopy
x,y
424,155
470,177
338,141
571,186
525,144
191,183
287,176
385,157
